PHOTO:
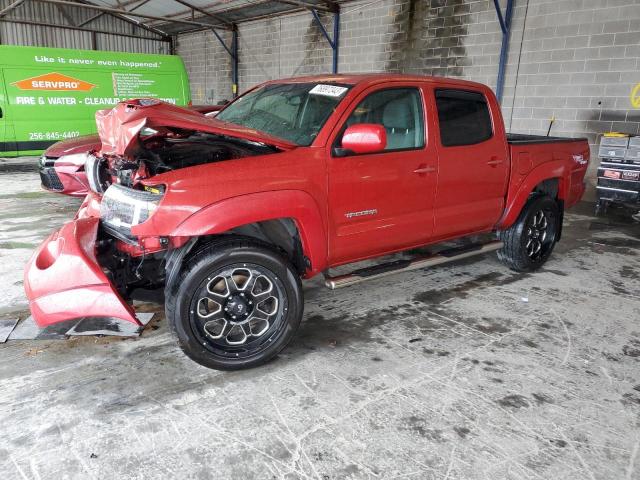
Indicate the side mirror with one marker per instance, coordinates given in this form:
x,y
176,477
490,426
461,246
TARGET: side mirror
x,y
365,138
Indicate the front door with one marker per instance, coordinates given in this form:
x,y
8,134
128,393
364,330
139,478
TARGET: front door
x,y
383,202
473,163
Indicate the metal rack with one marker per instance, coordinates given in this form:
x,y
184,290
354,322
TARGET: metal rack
x,y
618,172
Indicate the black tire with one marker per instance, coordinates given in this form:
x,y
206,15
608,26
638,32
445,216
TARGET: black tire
x,y
520,251
196,317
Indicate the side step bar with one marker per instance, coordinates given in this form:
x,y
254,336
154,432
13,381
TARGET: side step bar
x,y
389,268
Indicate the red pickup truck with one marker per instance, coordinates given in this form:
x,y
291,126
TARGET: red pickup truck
x,y
294,177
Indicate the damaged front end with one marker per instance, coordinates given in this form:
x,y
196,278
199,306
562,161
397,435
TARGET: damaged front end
x,y
92,266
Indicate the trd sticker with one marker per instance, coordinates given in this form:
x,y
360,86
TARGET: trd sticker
x,y
612,174
630,175
54,82
580,159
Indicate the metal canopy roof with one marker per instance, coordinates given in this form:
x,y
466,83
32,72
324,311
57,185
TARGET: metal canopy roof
x,y
161,19
170,17
237,11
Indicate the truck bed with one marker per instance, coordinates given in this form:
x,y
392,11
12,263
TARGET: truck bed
x,y
522,139
568,155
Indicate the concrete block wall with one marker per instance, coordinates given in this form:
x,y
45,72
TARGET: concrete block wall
x,y
575,60
451,38
579,61
282,47
367,35
208,65
291,45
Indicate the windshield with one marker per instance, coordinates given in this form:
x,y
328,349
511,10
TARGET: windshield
x,y
293,111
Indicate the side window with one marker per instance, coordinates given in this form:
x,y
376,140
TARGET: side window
x,y
463,117
399,110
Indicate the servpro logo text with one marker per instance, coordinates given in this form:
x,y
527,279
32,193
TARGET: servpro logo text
x,y
55,82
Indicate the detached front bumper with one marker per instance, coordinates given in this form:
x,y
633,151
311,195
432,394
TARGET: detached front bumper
x,y
63,280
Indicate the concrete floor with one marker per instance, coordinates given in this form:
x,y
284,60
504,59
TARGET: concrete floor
x,y
467,371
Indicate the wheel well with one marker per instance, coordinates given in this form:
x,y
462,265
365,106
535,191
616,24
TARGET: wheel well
x,y
281,233
550,187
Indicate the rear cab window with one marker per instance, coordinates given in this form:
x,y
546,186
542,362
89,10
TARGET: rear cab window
x,y
463,117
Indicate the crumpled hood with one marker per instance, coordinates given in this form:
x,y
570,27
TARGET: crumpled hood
x,y
71,146
119,127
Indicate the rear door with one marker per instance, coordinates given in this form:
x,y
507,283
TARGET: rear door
x,y
383,201
473,163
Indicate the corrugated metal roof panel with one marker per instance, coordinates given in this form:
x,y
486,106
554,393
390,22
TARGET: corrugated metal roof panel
x,y
46,36
229,11
30,35
128,44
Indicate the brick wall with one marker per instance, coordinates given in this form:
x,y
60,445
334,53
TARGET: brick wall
x,y
576,60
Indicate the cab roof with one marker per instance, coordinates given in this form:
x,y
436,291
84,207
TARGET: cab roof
x,y
365,79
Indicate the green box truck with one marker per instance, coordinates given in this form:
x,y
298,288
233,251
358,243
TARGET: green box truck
x,y
51,94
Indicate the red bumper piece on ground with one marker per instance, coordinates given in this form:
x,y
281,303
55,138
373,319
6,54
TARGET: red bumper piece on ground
x,y
64,281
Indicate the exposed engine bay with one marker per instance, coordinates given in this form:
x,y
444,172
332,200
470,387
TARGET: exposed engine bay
x,y
161,154
165,154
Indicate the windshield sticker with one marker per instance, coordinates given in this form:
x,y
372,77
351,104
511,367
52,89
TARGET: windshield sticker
x,y
328,90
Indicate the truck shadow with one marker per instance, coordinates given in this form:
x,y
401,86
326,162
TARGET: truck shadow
x,y
426,316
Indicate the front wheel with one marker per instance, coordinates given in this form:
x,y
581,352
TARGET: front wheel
x,y
528,243
235,305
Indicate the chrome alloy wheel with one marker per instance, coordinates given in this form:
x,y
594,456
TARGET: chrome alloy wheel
x,y
537,237
238,310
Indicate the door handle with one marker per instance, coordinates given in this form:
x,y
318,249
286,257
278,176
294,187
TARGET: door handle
x,y
424,169
494,161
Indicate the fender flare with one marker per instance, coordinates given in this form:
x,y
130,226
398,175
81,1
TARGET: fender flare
x,y
556,169
234,212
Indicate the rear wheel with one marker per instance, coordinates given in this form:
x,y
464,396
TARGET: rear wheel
x,y
235,305
528,243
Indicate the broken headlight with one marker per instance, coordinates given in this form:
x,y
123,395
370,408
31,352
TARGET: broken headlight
x,y
122,208
97,174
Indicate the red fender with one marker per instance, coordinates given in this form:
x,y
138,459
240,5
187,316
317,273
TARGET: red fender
x,y
256,207
548,170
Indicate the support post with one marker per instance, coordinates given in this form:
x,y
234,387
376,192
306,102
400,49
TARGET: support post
x,y
13,6
333,43
234,61
336,40
233,53
505,26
